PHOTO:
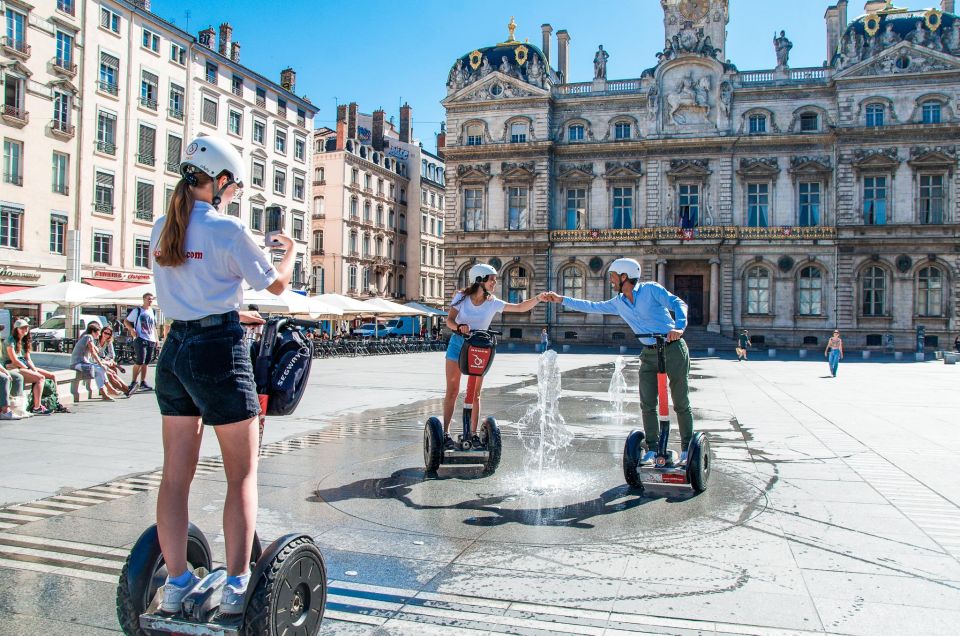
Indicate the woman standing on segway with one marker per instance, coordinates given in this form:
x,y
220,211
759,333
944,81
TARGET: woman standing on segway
x,y
472,308
204,374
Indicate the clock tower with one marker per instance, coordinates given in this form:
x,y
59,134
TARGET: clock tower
x,y
685,19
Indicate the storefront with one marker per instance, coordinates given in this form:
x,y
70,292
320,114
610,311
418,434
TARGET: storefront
x,y
113,280
14,279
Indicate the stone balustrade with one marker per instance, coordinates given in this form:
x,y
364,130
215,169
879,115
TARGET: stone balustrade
x,y
725,232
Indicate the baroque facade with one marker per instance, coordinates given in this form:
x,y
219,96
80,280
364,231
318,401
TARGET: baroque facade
x,y
785,201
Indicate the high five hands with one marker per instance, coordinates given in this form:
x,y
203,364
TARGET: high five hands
x,y
549,297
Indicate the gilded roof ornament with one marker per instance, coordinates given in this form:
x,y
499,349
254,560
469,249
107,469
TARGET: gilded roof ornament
x,y
511,41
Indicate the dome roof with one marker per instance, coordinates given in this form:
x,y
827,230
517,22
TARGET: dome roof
x,y
903,22
513,52
514,58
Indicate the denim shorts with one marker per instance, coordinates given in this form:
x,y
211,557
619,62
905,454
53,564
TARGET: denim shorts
x,y
205,370
454,347
143,351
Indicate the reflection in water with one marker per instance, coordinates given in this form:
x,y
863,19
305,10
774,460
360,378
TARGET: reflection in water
x,y
542,431
618,387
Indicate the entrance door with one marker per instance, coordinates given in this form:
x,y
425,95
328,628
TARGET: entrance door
x,y
690,289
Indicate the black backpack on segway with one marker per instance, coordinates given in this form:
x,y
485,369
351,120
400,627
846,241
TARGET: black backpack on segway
x,y
288,580
476,356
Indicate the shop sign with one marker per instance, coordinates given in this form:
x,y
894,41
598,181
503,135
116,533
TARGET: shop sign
x,y
122,276
6,272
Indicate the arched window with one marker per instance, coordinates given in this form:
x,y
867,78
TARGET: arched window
x,y
317,242
378,246
401,289
366,244
758,290
352,278
318,206
758,124
423,167
318,175
931,111
518,285
873,288
810,287
930,292
571,279
621,130
809,122
354,214
366,279
366,211
875,115
474,134
403,222
353,242
380,215
391,218
575,132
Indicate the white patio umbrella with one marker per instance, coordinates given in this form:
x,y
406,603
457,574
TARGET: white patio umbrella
x,y
349,306
130,295
288,302
383,307
320,308
70,294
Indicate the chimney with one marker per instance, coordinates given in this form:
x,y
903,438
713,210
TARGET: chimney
x,y
235,52
288,79
226,32
352,120
872,6
947,6
832,20
842,9
406,132
547,32
206,37
563,54
378,129
143,4
442,139
341,126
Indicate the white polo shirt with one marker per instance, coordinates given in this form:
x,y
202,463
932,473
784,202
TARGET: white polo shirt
x,y
476,316
221,254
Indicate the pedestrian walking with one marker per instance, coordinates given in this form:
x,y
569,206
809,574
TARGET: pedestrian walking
x,y
141,323
544,340
956,344
742,343
834,352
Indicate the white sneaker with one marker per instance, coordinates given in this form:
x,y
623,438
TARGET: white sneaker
x,y
8,415
232,600
173,595
648,457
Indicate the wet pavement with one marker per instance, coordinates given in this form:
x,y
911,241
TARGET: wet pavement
x,y
831,508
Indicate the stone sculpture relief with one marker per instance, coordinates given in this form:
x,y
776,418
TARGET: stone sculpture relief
x,y
690,101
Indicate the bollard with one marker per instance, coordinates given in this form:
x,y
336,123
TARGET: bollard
x,y
949,358
711,351
623,349
898,355
803,353
938,355
566,348
866,355
772,353
918,357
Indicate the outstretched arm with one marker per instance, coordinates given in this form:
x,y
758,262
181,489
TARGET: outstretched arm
x,y
606,307
519,308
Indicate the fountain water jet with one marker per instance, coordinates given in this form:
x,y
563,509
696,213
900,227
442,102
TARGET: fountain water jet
x,y
618,388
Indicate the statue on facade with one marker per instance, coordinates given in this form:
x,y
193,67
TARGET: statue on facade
x,y
919,35
690,96
505,66
600,64
653,96
485,68
702,91
782,45
726,99
951,37
668,52
535,72
458,76
889,37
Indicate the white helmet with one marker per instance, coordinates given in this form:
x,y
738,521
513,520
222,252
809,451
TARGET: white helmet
x,y
212,155
480,271
626,266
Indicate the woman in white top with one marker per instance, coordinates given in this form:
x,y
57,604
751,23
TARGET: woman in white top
x,y
472,308
204,374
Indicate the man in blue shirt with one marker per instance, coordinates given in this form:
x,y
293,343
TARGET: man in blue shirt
x,y
646,308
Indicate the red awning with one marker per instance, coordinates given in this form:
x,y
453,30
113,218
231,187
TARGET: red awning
x,y
12,288
112,285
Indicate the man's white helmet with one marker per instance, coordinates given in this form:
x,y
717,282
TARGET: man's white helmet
x,y
479,271
212,155
626,266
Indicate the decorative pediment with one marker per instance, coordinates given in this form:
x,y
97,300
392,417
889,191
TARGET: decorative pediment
x,y
258,199
623,169
876,159
494,88
523,170
474,172
902,59
258,153
17,68
767,167
63,85
576,172
816,166
933,157
689,169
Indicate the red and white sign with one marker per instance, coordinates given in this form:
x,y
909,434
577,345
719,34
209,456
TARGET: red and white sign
x,y
133,277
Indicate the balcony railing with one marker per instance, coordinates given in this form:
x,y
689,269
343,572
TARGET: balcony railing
x,y
147,102
261,101
301,121
173,166
14,178
282,111
147,160
175,113
103,208
106,147
319,182
67,6
237,90
730,233
16,47
62,128
66,67
15,114
61,188
144,215
318,216
108,87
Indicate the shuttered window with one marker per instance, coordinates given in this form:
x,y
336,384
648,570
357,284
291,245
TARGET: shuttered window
x,y
103,201
209,112
174,152
144,200
147,145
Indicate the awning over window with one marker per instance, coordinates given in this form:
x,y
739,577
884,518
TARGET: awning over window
x,y
111,285
12,288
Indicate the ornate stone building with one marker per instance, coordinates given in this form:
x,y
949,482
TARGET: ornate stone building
x,y
786,201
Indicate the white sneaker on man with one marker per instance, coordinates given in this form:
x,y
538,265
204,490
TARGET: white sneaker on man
x,y
173,594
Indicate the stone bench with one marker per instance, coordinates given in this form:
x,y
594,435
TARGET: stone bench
x,y
71,388
950,358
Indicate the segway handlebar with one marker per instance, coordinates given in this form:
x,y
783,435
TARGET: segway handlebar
x,y
306,324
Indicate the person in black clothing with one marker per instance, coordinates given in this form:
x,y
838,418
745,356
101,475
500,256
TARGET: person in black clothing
x,y
956,344
742,343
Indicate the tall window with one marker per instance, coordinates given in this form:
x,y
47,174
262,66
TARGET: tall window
x,y
517,285
58,234
576,216
352,278
621,130
16,28
575,132
259,131
144,201
11,222
64,50
474,134
365,279
366,211
622,208
518,133
354,209
61,110
209,114
103,192
875,113
811,291
930,292
931,198
366,245
14,92
809,204
151,41
279,181
317,247
318,206
235,122
12,162
174,152
758,290
298,187
931,112
256,218
875,200
300,151
178,54
101,248
211,75
176,101
688,196
758,124
873,289
149,90
298,227
60,172
472,209
257,174
146,145
109,73
280,141
141,253
758,204
571,280
109,20
106,132
380,215
353,243
517,216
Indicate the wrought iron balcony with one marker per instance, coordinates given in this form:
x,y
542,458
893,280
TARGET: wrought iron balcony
x,y
14,178
16,47
175,113
144,215
109,88
318,216
147,160
62,128
261,101
65,67
61,188
237,90
15,115
103,208
106,147
301,121
147,102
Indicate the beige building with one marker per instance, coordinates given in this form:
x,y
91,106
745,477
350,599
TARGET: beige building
x,y
115,90
784,200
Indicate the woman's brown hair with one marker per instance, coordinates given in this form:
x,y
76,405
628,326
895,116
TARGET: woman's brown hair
x,y
469,291
171,246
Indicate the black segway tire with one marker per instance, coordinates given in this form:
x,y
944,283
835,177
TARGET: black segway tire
x,y
699,462
145,571
291,592
490,436
632,453
432,445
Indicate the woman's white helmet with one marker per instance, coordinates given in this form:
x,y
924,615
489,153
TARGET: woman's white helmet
x,y
626,266
212,156
480,271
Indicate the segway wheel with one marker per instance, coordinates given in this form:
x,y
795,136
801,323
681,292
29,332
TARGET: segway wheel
x,y
290,594
699,463
145,571
432,445
490,436
632,453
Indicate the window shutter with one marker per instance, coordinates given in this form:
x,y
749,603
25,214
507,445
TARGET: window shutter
x,y
148,141
144,196
104,179
108,60
174,151
209,111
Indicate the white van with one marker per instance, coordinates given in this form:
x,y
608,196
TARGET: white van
x,y
55,327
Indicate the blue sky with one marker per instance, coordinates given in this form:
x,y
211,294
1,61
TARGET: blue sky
x,y
381,53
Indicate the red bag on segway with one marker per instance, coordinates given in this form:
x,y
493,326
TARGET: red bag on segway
x,y
477,353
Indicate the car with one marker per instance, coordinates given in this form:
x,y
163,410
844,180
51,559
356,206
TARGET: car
x,y
402,326
54,328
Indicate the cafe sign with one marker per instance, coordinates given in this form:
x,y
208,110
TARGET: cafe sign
x,y
6,272
122,276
